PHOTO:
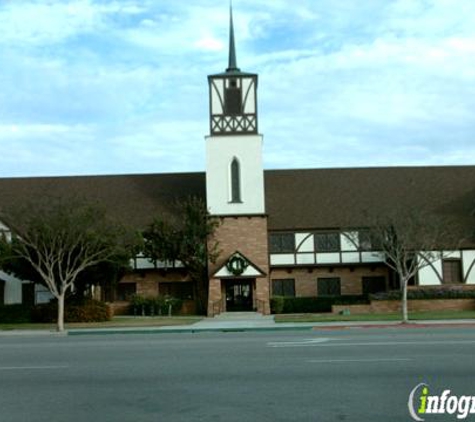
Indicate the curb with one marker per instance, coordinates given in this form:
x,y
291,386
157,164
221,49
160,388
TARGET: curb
x,y
188,330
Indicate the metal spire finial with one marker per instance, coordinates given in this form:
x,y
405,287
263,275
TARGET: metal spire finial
x,y
232,65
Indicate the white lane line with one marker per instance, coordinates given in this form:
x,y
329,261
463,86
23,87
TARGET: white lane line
x,y
358,360
301,343
16,368
399,343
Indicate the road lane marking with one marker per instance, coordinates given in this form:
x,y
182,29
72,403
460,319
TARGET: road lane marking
x,y
16,368
398,343
358,360
300,343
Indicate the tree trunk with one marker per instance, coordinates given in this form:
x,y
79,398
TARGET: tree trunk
x,y
405,316
60,323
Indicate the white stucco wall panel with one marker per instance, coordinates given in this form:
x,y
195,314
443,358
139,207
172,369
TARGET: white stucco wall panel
x,y
305,258
350,257
349,241
304,242
220,151
372,257
430,274
13,290
468,260
328,258
282,259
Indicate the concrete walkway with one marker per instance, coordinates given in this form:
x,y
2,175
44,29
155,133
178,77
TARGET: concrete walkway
x,y
247,321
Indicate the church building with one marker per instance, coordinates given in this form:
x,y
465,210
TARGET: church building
x,y
281,232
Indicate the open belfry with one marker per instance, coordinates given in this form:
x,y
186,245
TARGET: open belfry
x,y
239,280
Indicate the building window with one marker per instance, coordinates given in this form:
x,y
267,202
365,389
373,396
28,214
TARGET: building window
x,y
329,286
177,290
368,241
125,291
327,242
452,271
283,287
282,243
374,284
235,181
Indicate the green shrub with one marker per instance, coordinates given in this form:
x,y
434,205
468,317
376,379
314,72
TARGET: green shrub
x,y
276,304
150,306
321,304
12,314
452,292
86,311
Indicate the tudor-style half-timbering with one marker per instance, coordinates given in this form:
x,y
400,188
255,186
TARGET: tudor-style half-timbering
x,y
334,248
233,103
233,97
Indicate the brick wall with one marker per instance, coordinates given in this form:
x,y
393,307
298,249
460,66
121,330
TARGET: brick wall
x,y
147,281
248,235
306,279
394,306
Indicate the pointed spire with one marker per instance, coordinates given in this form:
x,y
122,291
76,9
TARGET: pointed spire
x,y
232,66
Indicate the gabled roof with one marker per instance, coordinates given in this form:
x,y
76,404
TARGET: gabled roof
x,y
251,270
295,199
332,198
133,199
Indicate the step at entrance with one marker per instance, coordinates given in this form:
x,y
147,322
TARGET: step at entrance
x,y
240,316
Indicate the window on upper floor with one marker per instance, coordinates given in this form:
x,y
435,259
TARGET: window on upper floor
x,y
368,241
282,243
452,271
283,287
327,242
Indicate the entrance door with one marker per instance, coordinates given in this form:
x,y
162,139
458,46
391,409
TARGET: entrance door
x,y
238,296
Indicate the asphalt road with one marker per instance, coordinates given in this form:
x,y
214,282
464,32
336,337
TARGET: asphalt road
x,y
325,375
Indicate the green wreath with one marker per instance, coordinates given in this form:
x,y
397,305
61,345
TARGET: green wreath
x,y
237,265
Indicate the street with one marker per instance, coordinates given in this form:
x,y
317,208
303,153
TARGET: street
x,y
315,375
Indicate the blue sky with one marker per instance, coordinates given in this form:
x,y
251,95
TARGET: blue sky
x,y
105,87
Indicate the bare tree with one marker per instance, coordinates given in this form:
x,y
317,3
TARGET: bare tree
x,y
58,240
410,240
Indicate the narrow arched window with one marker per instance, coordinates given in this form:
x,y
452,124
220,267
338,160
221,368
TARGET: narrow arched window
x,y
235,181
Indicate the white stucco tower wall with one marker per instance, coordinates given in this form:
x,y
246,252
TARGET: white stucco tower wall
x,y
220,153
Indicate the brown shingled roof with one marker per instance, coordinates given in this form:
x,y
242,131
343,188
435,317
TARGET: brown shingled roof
x,y
332,198
133,199
295,199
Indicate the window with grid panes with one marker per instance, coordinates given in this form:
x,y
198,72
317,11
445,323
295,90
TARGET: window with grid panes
x,y
283,287
282,243
327,242
329,286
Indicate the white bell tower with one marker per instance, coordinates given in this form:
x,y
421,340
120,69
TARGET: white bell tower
x,y
234,172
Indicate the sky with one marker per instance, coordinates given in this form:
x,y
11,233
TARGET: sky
x,y
118,87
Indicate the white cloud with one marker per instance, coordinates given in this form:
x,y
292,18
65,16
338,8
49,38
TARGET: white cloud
x,y
120,86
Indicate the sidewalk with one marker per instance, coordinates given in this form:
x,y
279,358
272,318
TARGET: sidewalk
x,y
267,323
254,323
